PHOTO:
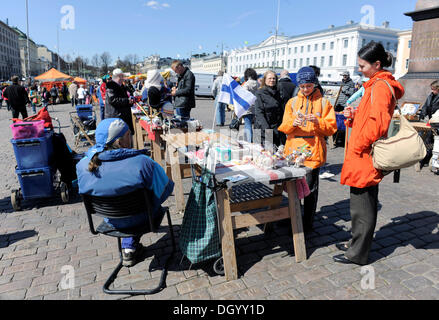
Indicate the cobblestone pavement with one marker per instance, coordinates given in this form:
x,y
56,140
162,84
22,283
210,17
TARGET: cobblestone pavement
x,y
37,242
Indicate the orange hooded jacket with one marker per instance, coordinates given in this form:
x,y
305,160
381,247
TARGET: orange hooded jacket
x,y
311,135
370,123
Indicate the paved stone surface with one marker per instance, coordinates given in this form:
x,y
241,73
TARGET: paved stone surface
x,y
37,244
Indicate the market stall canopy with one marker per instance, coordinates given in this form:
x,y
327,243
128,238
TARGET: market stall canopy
x,y
53,75
80,80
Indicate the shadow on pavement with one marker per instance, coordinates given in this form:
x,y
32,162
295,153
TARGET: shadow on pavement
x,y
7,239
421,236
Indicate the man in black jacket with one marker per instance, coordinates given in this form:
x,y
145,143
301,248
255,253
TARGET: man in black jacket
x,y
18,98
184,93
430,107
286,88
117,102
347,90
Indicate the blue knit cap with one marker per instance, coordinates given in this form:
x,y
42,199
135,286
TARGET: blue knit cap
x,y
108,131
306,75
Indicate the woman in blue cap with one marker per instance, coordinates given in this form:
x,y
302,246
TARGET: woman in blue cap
x,y
308,119
111,168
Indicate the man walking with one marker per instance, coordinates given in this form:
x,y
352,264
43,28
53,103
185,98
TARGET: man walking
x,y
117,102
347,90
220,107
17,97
184,93
73,90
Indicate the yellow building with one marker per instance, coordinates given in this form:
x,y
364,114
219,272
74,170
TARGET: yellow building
x,y
403,54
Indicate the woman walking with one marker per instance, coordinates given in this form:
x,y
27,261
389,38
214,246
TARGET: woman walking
x,y
369,123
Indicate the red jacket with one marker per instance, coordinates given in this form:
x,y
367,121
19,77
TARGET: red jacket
x,y
103,91
370,123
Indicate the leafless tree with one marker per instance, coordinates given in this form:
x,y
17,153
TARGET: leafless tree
x,y
105,61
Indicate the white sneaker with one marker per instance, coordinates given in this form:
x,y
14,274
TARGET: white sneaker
x,y
326,175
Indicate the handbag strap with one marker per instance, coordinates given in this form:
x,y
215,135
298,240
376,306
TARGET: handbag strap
x,y
391,90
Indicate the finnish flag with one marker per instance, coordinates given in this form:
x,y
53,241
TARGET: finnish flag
x,y
233,93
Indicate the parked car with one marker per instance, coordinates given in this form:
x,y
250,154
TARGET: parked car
x,y
204,84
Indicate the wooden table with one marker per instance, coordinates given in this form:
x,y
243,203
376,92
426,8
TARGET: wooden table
x,y
178,170
228,203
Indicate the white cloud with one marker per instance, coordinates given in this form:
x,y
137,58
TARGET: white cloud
x,y
156,5
241,18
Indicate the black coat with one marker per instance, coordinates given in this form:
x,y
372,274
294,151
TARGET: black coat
x,y
268,109
185,95
430,107
286,89
117,104
347,90
17,96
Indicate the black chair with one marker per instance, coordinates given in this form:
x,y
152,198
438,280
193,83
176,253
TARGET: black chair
x,y
132,204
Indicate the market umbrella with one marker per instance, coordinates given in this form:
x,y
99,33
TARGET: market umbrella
x,y
53,75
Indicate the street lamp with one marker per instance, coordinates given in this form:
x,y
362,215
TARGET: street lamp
x,y
28,72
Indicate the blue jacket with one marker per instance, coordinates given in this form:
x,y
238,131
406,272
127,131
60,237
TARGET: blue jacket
x,y
101,101
123,171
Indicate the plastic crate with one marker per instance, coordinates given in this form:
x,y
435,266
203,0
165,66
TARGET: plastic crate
x,y
85,112
34,153
27,129
36,183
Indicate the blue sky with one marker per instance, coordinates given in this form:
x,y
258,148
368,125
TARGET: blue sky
x,y
182,27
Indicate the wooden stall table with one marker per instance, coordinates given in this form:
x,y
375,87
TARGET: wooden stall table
x,y
249,194
177,170
154,134
140,136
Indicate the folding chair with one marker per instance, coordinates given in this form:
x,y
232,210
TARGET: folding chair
x,y
89,135
125,206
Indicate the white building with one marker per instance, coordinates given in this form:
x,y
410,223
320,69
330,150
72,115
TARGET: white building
x,y
10,63
403,55
46,58
214,63
34,69
197,63
333,50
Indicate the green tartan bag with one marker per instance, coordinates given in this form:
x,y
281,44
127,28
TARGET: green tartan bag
x,y
199,237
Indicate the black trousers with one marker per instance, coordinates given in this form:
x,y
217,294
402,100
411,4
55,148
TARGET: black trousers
x,y
364,210
16,112
310,202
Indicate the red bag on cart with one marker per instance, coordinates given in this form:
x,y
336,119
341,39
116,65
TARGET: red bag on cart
x,y
43,114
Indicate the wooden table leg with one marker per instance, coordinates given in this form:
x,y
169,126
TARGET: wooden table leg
x,y
331,142
157,151
278,189
139,136
226,232
176,177
296,222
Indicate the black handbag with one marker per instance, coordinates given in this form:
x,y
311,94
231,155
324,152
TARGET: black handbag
x,y
235,123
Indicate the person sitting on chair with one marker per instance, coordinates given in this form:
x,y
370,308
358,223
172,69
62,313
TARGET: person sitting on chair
x,y
111,168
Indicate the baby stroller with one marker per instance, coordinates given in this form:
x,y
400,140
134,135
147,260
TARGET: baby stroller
x,y
41,165
83,124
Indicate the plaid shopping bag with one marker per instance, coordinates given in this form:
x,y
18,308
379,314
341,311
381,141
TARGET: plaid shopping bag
x,y
199,237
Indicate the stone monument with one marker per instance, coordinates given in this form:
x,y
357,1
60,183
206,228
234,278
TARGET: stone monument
x,y
424,53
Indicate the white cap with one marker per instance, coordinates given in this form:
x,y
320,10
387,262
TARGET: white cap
x,y
117,72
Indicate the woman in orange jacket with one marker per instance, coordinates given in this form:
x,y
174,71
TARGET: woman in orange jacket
x,y
308,119
369,123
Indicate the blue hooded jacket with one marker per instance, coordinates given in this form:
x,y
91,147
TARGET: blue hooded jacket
x,y
123,171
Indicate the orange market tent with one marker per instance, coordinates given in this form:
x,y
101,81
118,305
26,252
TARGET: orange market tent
x,y
80,80
53,75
